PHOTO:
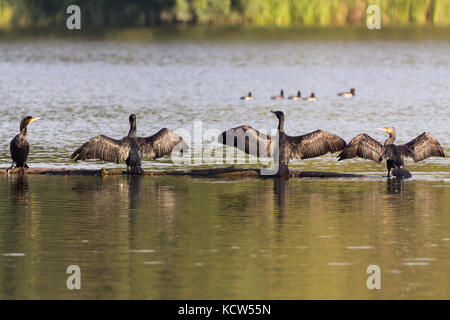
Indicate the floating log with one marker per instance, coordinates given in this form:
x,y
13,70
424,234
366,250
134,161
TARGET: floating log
x,y
321,174
228,172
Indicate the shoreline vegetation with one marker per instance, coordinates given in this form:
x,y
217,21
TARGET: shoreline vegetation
x,y
245,33
101,14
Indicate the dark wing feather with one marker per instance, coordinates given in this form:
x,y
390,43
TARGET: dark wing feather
x,y
422,147
161,143
247,139
314,144
363,146
104,148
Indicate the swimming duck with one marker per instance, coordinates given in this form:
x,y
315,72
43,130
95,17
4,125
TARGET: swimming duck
x,y
311,98
247,97
297,97
281,96
347,94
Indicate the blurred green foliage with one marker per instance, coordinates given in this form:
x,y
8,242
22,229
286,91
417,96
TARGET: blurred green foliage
x,y
117,13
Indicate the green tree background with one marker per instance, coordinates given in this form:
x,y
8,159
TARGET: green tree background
x,y
121,13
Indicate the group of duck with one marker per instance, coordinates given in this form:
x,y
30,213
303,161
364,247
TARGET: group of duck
x,y
282,147
312,97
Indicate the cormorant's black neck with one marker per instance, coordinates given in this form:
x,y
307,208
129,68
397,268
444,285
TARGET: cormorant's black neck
x,y
23,129
281,123
391,139
132,132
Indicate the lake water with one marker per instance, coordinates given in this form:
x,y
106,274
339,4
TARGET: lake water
x,y
181,237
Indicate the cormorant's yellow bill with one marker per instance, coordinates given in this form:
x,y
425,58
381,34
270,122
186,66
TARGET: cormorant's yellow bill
x,y
34,119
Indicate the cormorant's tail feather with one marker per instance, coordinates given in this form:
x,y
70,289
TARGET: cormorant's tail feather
x,y
401,172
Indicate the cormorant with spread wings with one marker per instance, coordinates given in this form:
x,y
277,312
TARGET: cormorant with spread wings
x,y
306,146
131,148
420,148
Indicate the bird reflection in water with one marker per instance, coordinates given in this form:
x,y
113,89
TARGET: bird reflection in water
x,y
280,188
19,189
395,185
134,191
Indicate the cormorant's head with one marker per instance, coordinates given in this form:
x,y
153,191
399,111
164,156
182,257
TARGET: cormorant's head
x,y
352,90
132,119
26,121
388,130
279,114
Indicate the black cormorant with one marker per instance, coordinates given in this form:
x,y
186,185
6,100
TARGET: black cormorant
x,y
347,94
19,146
306,146
131,148
420,148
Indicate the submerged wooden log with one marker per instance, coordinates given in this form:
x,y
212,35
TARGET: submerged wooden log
x,y
229,172
215,172
321,174
65,172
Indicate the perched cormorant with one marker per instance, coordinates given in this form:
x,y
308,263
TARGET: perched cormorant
x,y
312,97
306,146
247,97
131,148
281,96
297,97
420,148
19,146
347,94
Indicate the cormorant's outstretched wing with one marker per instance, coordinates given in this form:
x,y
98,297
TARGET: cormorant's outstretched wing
x,y
363,146
314,144
161,143
103,148
247,139
422,147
